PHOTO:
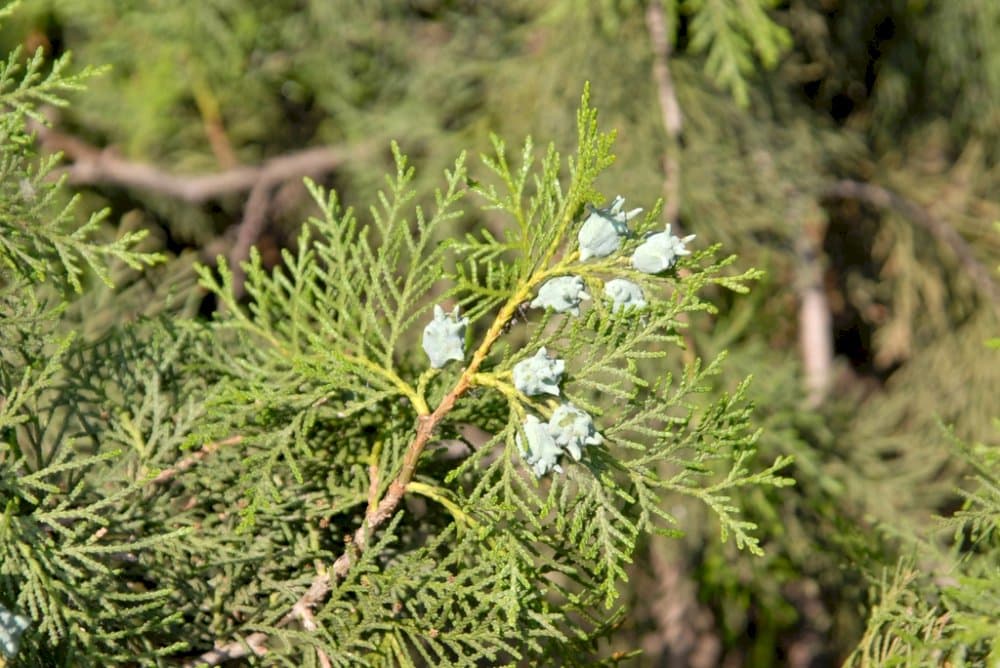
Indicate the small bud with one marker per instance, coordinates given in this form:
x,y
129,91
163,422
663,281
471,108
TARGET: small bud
x,y
11,628
539,374
573,428
660,252
542,453
444,337
561,294
625,294
602,232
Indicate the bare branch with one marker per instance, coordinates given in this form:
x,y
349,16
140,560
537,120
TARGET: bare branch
x,y
815,318
683,625
302,610
90,165
186,463
670,109
673,125
249,230
944,233
252,644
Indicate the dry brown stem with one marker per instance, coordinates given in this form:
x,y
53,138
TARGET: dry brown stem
x,y
252,644
945,234
186,463
91,165
670,109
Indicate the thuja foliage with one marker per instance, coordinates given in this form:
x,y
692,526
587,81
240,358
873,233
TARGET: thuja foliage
x,y
298,479
63,539
323,372
941,603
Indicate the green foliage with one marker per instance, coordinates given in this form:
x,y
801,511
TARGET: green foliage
x,y
258,435
946,613
63,545
39,236
311,409
736,37
732,33
326,346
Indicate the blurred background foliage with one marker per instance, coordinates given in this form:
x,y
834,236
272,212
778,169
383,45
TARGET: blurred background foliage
x,y
846,145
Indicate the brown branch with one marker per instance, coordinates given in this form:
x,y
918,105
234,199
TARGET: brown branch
x,y
670,109
815,342
379,511
815,318
944,233
673,125
683,633
186,463
90,165
373,478
302,611
249,230
252,644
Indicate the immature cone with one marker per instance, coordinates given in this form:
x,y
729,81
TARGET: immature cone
x,y
561,294
539,374
624,294
444,337
602,232
11,628
542,452
573,428
660,252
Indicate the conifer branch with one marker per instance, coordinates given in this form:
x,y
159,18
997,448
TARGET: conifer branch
x,y
370,320
379,512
